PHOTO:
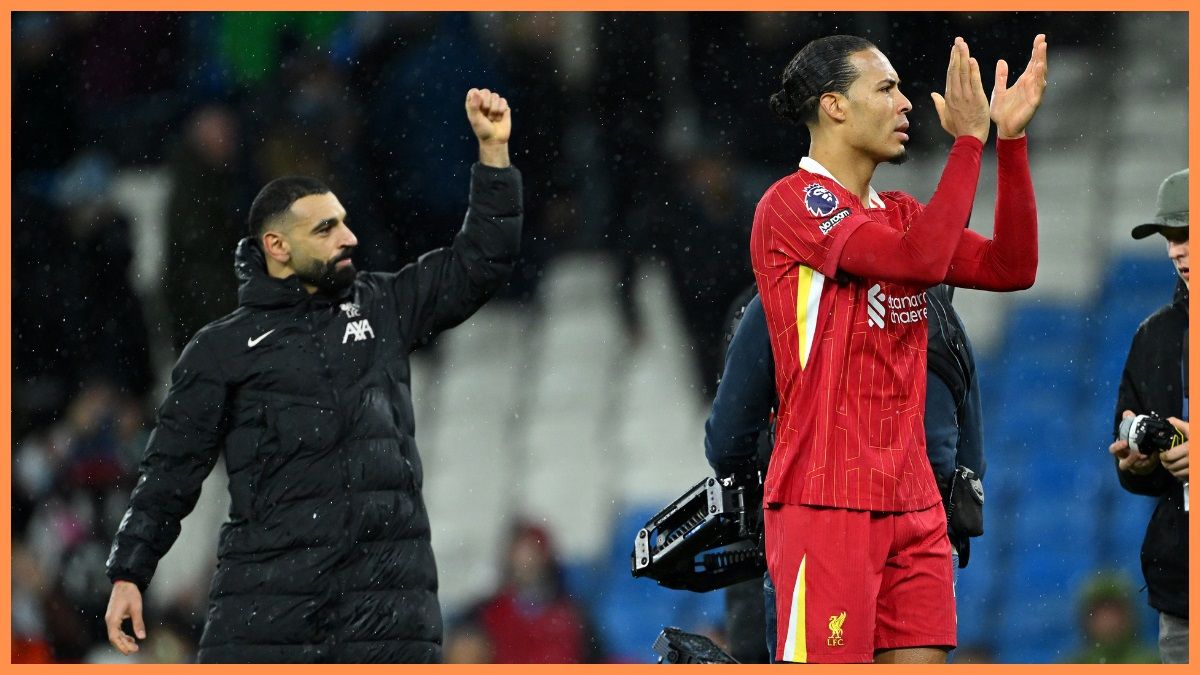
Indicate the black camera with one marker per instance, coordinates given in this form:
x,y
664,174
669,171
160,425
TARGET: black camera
x,y
709,538
1149,433
676,646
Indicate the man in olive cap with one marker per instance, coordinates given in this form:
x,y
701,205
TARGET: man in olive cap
x,y
1155,380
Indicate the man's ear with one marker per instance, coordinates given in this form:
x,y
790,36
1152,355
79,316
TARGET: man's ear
x,y
834,105
276,247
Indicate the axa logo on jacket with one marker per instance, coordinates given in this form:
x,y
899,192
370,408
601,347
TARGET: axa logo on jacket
x,y
359,330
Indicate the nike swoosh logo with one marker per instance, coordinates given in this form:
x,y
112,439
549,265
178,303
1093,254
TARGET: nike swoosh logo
x,y
250,342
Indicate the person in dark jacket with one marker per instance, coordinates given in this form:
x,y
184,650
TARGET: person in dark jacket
x,y
306,389
735,440
1155,380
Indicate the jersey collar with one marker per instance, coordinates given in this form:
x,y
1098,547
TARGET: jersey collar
x,y
813,166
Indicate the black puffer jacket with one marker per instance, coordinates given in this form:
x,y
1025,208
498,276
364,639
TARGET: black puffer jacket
x,y
1154,380
326,554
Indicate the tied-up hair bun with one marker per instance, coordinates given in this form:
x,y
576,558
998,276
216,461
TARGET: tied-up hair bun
x,y
781,107
796,93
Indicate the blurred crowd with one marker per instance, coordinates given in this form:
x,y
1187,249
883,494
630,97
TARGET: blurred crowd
x,y
647,136
531,618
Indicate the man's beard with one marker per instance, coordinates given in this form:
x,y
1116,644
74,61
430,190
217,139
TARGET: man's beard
x,y
900,158
327,276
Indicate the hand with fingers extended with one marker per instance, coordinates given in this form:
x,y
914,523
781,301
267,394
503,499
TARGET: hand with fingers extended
x,y
491,120
1013,107
125,603
963,109
1130,460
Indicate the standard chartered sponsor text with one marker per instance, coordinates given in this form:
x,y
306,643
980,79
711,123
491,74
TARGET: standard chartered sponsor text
x,y
907,308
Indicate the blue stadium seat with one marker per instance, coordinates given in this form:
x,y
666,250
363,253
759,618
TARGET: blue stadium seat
x,y
581,580
1155,276
1037,630
975,605
631,612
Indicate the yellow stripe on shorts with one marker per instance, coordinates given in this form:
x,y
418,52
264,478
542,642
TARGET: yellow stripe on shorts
x,y
795,648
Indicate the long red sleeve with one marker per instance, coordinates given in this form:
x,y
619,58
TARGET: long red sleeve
x,y
1008,261
921,255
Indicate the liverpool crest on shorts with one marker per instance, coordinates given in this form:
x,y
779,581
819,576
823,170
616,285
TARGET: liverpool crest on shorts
x,y
835,630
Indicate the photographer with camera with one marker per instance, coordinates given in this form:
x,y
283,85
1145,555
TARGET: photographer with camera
x,y
1150,435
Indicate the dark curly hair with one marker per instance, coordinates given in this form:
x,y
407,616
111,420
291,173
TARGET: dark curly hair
x,y
277,197
823,65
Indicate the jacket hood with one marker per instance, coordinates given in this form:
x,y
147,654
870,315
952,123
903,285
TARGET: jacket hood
x,y
256,288
1180,298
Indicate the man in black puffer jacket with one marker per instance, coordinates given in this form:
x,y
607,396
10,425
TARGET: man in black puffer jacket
x,y
305,388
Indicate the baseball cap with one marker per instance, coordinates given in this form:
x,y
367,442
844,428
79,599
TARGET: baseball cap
x,y
1171,220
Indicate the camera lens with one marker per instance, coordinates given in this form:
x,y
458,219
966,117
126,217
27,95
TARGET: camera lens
x,y
1127,426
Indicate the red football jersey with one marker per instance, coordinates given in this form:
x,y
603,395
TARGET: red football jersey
x,y
849,352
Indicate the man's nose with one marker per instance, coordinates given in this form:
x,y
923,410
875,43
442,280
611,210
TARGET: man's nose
x,y
905,104
348,239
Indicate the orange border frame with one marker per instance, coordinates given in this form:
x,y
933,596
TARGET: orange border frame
x,y
507,5
6,334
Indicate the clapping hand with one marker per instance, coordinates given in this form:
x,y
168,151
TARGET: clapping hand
x,y
1013,107
963,110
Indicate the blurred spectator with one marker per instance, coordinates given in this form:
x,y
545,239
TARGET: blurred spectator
x,y
704,236
531,619
45,54
107,334
202,221
537,49
736,64
466,642
420,156
75,314
303,118
65,479
253,44
30,638
1108,623
42,312
127,54
127,80
627,99
310,121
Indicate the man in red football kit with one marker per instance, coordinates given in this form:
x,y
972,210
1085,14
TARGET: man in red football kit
x,y
855,531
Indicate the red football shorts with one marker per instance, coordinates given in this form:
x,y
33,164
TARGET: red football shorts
x,y
849,583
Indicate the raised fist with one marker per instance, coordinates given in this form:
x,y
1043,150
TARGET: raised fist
x,y
490,116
